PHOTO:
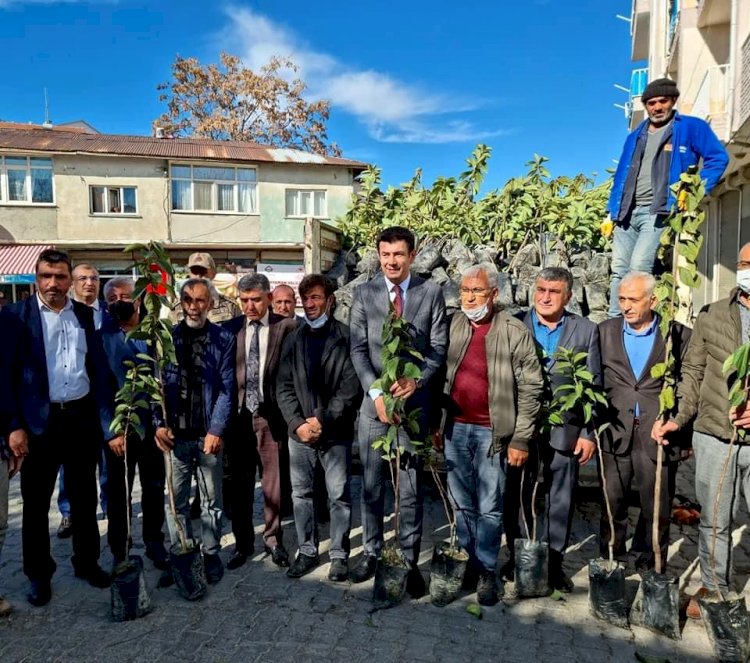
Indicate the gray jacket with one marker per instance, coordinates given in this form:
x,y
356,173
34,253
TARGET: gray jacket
x,y
424,310
514,373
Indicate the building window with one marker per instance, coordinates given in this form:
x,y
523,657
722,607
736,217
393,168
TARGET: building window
x,y
306,203
25,180
214,189
113,200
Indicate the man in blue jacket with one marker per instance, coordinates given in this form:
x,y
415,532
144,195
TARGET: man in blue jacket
x,y
199,393
654,156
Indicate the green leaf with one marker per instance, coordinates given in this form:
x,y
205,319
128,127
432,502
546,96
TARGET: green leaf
x,y
475,610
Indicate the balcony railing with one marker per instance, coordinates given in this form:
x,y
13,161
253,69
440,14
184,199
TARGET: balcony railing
x,y
674,17
712,101
638,82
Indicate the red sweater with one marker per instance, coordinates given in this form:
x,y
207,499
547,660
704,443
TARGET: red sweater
x,y
471,387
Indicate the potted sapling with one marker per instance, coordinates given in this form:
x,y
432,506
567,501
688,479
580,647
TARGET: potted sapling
x,y
395,447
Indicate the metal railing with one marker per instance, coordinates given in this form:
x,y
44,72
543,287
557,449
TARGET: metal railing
x,y
674,17
638,82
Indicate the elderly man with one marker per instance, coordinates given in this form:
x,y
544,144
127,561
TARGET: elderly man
x,y
655,154
318,394
284,301
202,266
199,393
258,428
13,340
85,290
493,390
66,404
123,318
631,345
421,304
703,394
569,446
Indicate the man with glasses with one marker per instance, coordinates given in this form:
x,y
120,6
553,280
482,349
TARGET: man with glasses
x,y
703,395
655,154
493,391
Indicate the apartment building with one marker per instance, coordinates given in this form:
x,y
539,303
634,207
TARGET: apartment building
x,y
704,45
92,194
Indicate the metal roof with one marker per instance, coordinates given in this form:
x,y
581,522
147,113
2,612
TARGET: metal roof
x,y
61,140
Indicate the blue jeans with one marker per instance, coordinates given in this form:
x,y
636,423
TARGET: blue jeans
x,y
634,249
336,460
187,459
476,485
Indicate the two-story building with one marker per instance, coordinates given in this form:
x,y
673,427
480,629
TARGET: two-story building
x,y
704,45
93,194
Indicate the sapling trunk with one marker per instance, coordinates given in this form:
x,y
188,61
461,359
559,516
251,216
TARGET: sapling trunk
x,y
610,517
655,538
450,515
397,497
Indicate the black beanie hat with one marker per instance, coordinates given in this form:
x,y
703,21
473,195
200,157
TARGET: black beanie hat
x,y
661,87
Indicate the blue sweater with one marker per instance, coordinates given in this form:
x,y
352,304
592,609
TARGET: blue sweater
x,y
692,140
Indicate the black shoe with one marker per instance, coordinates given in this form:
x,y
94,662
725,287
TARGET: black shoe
x,y
561,582
40,593
471,575
508,571
65,531
302,566
94,576
195,508
214,568
237,560
158,555
487,589
166,579
339,570
415,585
364,570
279,555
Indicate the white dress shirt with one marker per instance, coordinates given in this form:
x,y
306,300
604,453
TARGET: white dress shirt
x,y
65,351
374,393
262,345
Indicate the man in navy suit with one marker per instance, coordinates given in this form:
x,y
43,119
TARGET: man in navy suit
x,y
569,446
66,405
422,305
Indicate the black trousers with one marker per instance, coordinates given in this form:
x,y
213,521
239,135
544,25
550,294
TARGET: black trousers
x,y
148,458
72,440
241,455
620,470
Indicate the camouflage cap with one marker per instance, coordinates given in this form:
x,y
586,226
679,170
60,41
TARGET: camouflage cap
x,y
203,260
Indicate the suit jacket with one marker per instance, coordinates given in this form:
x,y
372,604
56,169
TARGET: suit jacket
x,y
581,335
336,387
278,329
218,379
424,310
14,342
34,391
623,388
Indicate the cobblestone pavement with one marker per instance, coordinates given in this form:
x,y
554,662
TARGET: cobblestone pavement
x,y
257,614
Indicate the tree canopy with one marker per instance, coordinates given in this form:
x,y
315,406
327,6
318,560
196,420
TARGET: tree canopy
x,y
228,101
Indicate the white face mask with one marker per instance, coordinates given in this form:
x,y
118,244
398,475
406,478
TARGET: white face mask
x,y
743,280
476,314
318,322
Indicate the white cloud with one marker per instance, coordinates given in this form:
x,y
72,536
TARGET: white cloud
x,y
393,111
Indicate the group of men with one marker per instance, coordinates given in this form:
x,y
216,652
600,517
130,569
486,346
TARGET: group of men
x,y
256,389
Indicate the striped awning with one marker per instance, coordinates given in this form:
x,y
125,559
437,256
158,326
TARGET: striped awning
x,y
20,258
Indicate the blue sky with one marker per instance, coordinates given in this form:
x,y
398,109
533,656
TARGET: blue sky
x,y
414,83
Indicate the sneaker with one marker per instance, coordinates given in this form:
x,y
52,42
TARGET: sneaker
x,y
302,566
364,570
214,568
693,609
487,588
5,607
339,570
65,531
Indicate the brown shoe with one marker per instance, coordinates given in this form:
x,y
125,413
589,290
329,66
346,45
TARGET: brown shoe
x,y
5,607
693,609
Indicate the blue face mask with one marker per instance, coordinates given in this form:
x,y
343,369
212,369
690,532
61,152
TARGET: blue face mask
x,y
318,322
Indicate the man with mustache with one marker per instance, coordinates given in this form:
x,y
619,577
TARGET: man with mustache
x,y
660,149
199,392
